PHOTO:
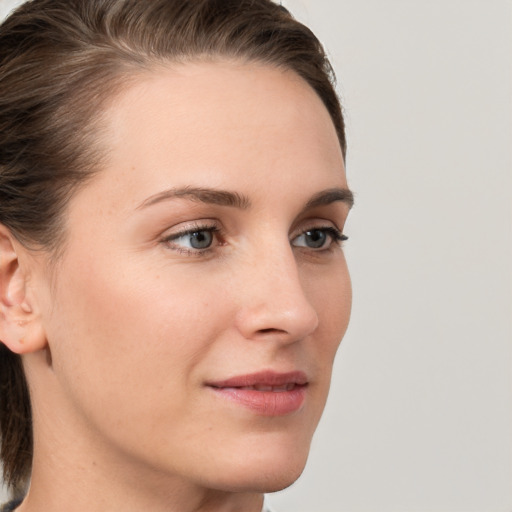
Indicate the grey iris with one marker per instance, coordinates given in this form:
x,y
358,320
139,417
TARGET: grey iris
x,y
201,239
315,238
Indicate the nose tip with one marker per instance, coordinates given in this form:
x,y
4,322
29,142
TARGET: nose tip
x,y
289,322
276,306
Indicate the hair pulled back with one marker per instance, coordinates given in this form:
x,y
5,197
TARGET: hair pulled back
x,y
60,62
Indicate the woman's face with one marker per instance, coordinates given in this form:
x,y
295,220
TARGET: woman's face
x,y
203,292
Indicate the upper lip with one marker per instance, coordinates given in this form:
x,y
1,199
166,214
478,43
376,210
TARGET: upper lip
x,y
263,378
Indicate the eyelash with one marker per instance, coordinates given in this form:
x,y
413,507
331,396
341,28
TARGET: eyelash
x,y
334,233
336,236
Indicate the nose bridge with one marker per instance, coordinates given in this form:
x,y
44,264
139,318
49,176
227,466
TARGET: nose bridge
x,y
274,300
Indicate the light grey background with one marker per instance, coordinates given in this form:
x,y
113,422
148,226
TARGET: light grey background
x,y
420,417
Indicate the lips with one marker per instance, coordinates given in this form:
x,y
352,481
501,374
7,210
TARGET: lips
x,y
275,389
266,393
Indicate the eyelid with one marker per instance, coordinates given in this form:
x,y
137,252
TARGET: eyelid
x,y
185,228
189,231
316,223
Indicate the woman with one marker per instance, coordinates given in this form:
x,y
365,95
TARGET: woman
x,y
173,287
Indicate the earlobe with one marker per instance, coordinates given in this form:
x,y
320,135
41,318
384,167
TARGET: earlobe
x,y
20,326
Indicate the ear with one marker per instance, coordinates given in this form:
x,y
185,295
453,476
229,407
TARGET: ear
x,y
21,329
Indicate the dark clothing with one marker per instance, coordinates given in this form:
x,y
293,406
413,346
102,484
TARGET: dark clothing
x,y
9,507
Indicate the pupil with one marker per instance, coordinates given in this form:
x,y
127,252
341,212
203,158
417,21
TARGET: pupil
x,y
315,238
201,239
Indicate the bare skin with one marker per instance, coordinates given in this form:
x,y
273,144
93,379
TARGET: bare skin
x,y
206,249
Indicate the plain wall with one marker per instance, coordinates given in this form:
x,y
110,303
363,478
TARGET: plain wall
x,y
420,417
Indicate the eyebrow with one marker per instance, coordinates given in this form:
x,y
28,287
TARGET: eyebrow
x,y
202,195
236,200
329,196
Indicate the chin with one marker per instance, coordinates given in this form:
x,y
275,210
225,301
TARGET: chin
x,y
266,471
269,479
278,481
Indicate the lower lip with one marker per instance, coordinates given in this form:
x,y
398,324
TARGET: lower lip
x,y
266,403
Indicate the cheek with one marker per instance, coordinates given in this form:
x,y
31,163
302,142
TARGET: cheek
x,y
330,292
115,327
127,351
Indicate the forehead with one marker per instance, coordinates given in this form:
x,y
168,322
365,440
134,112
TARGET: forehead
x,y
219,124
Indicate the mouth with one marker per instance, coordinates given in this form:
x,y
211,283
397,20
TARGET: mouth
x,y
266,393
274,389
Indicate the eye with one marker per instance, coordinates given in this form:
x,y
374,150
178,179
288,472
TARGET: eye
x,y
198,239
319,238
195,239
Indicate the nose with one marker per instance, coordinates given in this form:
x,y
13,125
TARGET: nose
x,y
272,301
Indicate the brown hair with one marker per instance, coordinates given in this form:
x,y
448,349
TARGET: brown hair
x,y
60,61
